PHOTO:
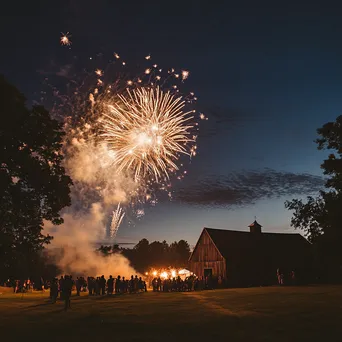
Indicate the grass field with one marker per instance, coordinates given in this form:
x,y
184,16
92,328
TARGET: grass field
x,y
255,314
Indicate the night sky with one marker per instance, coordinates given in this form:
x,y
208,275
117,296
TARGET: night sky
x,y
267,73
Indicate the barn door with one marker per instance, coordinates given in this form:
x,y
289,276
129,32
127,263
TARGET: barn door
x,y
208,272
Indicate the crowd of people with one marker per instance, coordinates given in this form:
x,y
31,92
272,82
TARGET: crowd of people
x,y
25,285
190,283
98,286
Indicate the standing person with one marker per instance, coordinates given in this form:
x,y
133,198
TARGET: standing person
x,y
67,288
154,284
110,285
118,285
103,285
140,284
97,286
78,286
16,286
293,277
54,290
61,286
136,284
90,285
159,284
131,285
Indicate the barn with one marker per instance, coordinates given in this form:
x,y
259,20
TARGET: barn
x,y
249,258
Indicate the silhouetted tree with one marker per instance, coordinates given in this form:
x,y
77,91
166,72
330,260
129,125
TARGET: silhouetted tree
x,y
320,218
33,183
145,255
180,253
105,250
115,248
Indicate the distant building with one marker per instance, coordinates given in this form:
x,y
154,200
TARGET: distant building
x,y
251,258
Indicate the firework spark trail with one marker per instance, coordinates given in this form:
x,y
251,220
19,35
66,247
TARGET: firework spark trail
x,y
147,129
117,218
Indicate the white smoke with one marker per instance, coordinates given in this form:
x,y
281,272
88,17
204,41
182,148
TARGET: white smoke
x,y
97,188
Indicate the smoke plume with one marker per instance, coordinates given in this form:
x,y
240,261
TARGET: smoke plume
x,y
97,189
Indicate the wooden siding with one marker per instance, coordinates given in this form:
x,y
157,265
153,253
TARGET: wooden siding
x,y
207,256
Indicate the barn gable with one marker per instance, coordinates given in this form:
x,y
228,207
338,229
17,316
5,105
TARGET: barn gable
x,y
206,259
205,249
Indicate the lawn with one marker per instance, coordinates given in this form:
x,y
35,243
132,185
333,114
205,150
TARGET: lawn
x,y
256,314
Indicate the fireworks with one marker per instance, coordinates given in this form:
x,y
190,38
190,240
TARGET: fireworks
x,y
164,275
185,74
131,133
65,39
117,218
147,129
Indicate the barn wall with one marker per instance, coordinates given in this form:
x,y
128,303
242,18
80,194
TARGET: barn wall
x,y
205,256
218,268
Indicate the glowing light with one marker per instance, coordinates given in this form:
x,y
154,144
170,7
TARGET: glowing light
x,y
148,129
147,71
123,63
146,273
184,272
148,57
173,273
202,116
185,74
164,275
65,39
154,273
99,72
116,55
140,213
129,82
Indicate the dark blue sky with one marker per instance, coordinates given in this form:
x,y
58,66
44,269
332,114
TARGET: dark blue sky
x,y
268,74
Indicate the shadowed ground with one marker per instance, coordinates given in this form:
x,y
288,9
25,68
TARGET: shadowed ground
x,y
256,314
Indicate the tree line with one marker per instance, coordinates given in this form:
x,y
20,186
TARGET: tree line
x,y
145,255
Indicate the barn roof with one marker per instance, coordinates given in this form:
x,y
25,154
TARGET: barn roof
x,y
232,242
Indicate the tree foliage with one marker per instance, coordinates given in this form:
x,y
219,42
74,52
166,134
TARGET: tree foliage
x,y
157,254
320,218
33,183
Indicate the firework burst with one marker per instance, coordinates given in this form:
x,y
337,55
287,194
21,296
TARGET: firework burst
x,y
147,129
65,39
